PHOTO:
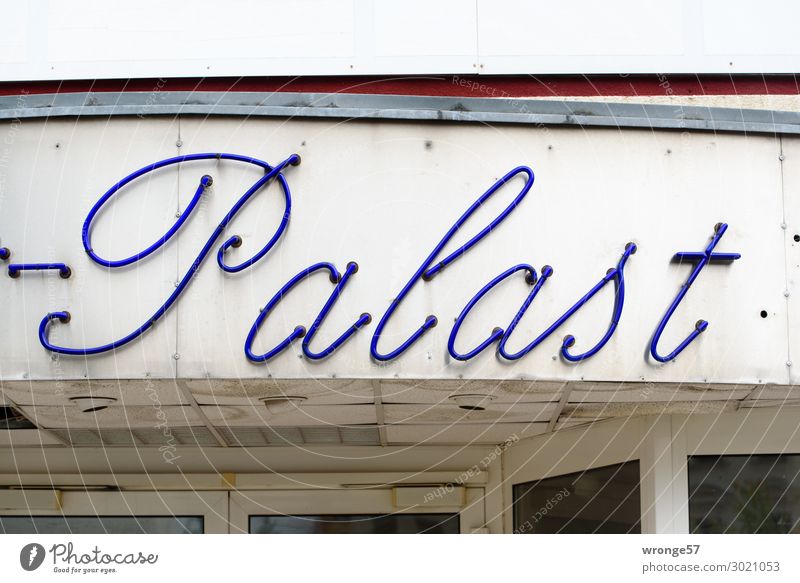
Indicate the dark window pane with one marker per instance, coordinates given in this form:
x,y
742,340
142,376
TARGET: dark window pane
x,y
744,494
101,524
603,500
356,524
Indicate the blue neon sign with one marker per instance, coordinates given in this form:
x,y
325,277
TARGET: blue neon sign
x,y
431,267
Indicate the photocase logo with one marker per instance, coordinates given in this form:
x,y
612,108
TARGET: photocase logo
x,y
31,556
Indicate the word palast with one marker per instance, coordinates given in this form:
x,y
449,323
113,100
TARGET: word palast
x,y
432,265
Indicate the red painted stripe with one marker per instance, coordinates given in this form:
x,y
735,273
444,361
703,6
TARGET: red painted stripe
x,y
446,85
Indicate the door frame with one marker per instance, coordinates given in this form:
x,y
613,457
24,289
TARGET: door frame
x,y
211,505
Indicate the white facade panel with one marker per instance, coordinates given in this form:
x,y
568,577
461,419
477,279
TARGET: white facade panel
x,y
418,28
556,29
89,31
89,39
766,32
14,37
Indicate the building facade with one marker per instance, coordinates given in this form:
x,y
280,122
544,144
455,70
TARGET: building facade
x,y
380,277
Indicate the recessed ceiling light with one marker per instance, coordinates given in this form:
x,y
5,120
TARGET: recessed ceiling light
x,y
91,404
282,404
472,402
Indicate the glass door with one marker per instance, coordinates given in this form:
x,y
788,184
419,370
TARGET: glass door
x,y
373,511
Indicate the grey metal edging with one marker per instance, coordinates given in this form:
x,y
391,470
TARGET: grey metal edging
x,y
402,107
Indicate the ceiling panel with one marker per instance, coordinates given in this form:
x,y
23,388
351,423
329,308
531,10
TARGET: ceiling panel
x,y
462,433
126,392
435,391
773,392
27,437
249,391
589,392
306,415
451,413
140,437
599,410
163,418
287,436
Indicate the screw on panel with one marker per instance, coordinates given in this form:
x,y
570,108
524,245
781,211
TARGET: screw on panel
x,y
179,144
176,356
786,294
783,226
788,363
781,157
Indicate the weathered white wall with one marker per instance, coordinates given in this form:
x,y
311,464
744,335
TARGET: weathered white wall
x,y
375,193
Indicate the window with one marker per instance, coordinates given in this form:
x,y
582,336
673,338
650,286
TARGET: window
x,y
356,524
603,500
744,494
101,524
